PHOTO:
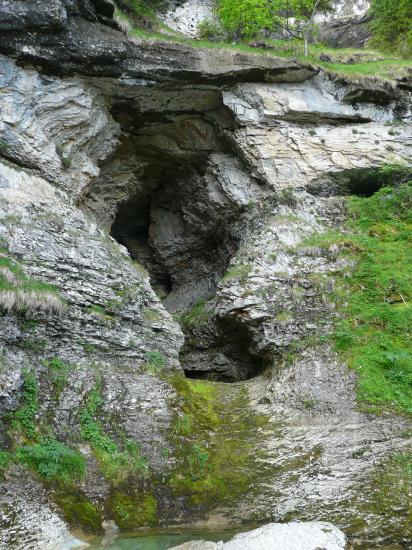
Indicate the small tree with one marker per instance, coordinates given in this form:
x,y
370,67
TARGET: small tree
x,y
248,18
244,18
303,12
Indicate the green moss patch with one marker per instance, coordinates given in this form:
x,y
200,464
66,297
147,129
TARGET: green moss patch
x,y
216,437
116,463
133,510
78,510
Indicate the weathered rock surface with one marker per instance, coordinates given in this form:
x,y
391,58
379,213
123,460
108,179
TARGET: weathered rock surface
x,y
278,536
346,25
27,521
185,16
211,175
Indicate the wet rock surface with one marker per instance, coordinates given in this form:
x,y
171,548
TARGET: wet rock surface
x,y
138,200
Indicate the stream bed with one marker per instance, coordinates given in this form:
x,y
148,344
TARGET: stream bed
x,y
166,539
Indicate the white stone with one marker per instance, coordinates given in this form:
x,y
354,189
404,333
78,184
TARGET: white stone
x,y
279,536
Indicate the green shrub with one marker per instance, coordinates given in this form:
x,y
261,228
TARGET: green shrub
x,y
24,417
392,25
52,460
212,30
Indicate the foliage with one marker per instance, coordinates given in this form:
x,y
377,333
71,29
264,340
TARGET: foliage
x,y
392,25
24,417
244,18
249,18
58,373
211,29
375,300
52,459
116,464
155,362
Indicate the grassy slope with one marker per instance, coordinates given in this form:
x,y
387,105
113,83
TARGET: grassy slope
x,y
378,64
375,300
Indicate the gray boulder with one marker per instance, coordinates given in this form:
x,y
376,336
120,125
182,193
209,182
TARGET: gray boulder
x,y
310,535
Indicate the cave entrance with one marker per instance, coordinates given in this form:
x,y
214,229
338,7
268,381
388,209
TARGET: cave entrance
x,y
364,183
131,228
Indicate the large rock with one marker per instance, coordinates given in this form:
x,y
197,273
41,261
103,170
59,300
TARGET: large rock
x,y
278,536
347,25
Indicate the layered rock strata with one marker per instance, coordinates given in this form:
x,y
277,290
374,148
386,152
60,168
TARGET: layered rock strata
x,y
139,181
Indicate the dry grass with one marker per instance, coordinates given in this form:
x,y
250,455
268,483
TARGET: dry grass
x,y
9,276
18,300
20,293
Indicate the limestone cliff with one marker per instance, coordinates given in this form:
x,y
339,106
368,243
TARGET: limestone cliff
x,y
138,182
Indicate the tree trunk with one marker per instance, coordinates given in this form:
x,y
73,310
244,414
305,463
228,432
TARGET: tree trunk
x,y
305,39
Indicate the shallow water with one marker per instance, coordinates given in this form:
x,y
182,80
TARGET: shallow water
x,y
165,540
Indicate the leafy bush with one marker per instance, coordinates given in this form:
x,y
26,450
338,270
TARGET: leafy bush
x,y
51,459
244,18
392,25
25,416
212,30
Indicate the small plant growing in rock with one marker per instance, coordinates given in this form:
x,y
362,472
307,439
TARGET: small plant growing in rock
x,y
58,373
239,272
66,158
155,362
24,417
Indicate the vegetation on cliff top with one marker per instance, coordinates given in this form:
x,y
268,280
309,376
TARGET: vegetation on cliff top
x,y
247,27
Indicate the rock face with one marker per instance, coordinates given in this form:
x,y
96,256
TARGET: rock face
x,y
185,16
346,25
154,202
277,536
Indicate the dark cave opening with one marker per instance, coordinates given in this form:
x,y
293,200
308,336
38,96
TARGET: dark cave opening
x,y
131,228
169,186
221,350
364,183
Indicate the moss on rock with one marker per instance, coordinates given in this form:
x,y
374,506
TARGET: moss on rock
x,y
216,438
